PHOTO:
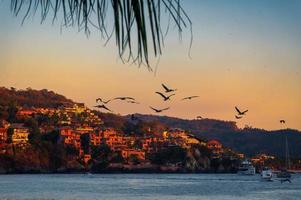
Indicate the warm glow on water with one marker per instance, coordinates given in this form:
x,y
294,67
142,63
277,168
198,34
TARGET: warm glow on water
x,y
247,55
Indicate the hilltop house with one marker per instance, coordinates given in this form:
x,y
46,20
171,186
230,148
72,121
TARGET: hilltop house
x,y
20,134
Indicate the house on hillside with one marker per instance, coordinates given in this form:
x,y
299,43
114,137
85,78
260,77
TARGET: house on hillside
x,y
3,135
19,134
215,146
24,113
130,153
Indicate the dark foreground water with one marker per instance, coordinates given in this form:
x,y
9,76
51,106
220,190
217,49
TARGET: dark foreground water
x,y
146,186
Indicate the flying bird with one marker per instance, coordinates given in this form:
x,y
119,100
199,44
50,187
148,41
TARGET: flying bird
x,y
240,112
238,117
102,101
189,98
282,121
159,110
167,89
199,117
133,102
124,98
165,98
103,107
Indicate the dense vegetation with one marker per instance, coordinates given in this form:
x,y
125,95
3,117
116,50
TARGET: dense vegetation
x,y
29,97
250,141
47,154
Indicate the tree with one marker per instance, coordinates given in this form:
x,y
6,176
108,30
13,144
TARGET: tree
x,y
12,111
35,135
10,132
51,137
136,23
85,142
100,157
173,154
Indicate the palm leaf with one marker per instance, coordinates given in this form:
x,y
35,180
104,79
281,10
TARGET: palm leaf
x,y
136,23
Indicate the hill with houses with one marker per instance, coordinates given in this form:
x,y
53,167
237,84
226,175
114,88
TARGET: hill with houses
x,y
41,131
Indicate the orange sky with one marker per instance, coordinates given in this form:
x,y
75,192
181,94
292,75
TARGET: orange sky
x,y
236,60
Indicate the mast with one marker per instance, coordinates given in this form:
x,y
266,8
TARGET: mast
x,y
287,159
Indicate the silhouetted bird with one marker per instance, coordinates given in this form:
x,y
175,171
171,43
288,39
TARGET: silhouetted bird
x,y
124,98
102,101
282,121
189,98
240,112
159,110
238,117
165,98
199,117
133,102
103,107
167,90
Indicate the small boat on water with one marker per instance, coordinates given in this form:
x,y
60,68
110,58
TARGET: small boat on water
x,y
246,168
267,174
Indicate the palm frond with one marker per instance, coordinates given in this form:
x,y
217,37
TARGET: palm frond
x,y
136,23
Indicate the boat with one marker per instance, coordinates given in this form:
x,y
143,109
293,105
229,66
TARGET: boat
x,y
284,175
246,168
267,174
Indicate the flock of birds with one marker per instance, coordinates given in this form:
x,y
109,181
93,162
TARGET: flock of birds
x,y
166,96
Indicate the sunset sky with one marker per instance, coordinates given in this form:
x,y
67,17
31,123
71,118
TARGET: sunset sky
x,y
244,53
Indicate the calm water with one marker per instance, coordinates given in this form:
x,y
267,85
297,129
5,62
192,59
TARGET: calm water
x,y
146,186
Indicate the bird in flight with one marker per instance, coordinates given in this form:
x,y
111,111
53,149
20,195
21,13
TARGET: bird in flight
x,y
165,98
189,98
282,121
199,117
124,98
133,102
102,101
238,117
240,112
167,89
103,107
158,110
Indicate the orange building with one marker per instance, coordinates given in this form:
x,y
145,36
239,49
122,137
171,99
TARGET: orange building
x,y
25,112
127,153
215,146
96,138
3,135
70,137
20,134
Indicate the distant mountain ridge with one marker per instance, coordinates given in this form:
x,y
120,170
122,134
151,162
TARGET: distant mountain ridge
x,y
250,141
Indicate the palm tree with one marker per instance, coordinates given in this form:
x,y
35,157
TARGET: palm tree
x,y
135,23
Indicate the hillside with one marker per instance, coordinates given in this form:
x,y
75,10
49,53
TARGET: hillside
x,y
250,141
32,98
